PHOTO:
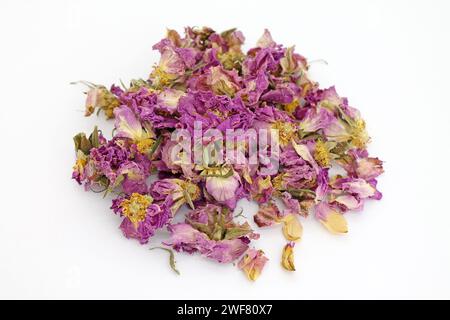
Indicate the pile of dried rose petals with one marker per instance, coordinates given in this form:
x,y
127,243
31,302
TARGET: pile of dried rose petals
x,y
204,77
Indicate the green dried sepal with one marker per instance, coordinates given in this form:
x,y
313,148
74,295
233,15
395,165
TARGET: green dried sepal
x,y
172,261
82,143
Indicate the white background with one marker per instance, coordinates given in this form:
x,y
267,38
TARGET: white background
x,y
391,58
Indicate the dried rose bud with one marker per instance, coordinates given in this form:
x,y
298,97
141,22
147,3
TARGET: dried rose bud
x,y
287,259
92,101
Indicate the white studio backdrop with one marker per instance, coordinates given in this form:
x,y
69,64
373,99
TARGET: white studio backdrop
x,y
390,58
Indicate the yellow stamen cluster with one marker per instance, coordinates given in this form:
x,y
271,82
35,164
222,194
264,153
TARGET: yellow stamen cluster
x,y
231,59
264,184
108,103
81,161
321,154
135,208
278,181
101,98
192,190
290,107
223,171
145,145
222,115
161,78
79,165
186,192
286,131
359,136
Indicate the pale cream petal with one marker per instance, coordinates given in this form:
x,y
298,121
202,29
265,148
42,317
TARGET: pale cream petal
x,y
292,228
335,223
